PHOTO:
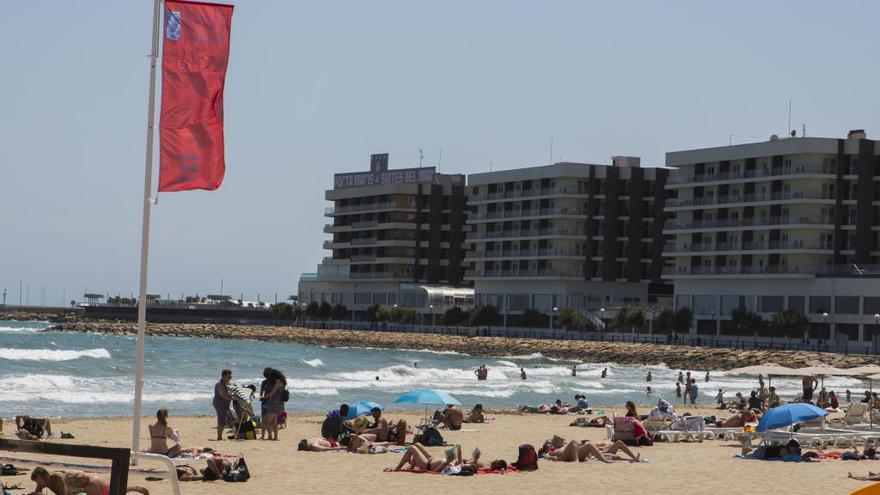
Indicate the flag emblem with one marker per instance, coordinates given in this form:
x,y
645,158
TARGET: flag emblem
x,y
172,25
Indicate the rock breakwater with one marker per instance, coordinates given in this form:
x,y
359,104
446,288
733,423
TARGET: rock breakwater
x,y
674,356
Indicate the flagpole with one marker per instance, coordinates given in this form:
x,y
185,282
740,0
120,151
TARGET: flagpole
x,y
145,234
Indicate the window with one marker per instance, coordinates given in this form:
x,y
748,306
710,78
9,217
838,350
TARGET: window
x,y
770,304
846,305
872,306
705,305
796,303
820,304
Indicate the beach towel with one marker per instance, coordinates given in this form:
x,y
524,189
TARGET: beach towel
x,y
510,469
788,458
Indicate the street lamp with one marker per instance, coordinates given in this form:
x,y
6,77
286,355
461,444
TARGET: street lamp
x,y
555,309
827,322
602,317
303,315
431,306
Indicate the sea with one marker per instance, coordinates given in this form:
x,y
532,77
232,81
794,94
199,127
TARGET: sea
x,y
73,375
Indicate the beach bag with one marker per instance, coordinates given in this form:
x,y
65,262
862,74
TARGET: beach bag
x,y
248,430
431,437
8,470
527,460
239,472
285,395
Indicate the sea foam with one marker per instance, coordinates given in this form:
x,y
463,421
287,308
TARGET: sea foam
x,y
51,354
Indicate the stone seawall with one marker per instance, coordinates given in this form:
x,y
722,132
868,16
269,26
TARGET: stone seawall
x,y
674,356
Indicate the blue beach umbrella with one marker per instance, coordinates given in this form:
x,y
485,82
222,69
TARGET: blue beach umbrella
x,y
790,414
362,408
427,396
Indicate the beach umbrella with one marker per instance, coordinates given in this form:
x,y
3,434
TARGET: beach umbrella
x,y
362,408
789,414
426,397
871,369
242,397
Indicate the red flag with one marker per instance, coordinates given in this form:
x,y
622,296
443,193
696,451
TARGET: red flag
x,y
195,52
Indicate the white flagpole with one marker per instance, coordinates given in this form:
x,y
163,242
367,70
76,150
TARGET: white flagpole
x,y
145,234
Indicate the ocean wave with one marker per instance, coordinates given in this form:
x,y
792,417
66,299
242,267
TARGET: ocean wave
x,y
51,354
4,329
66,389
314,363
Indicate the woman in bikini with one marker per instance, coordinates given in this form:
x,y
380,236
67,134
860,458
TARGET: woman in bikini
x,y
66,482
419,459
160,432
576,451
319,445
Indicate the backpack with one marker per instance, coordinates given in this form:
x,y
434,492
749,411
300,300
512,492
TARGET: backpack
x,y
239,472
247,431
285,395
527,459
430,437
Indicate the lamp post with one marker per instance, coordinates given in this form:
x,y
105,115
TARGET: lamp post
x,y
827,322
555,309
651,322
876,326
602,316
433,323
303,315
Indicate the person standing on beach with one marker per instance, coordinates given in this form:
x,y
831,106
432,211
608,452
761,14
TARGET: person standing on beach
x,y
707,377
222,401
264,389
687,387
274,402
810,383
680,377
695,391
522,373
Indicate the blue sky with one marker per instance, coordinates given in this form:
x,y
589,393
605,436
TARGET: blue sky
x,y
315,88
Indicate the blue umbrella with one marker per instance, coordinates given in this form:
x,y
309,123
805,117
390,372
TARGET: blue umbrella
x,y
790,414
427,396
362,408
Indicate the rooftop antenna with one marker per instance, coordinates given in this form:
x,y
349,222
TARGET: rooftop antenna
x,y
803,130
789,114
490,166
421,157
551,151
439,159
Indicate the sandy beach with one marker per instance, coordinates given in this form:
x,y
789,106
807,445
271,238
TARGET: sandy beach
x,y
276,467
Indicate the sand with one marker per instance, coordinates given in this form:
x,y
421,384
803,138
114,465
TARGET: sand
x,y
277,468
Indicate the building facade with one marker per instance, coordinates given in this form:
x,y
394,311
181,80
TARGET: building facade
x,y
389,227
567,235
785,224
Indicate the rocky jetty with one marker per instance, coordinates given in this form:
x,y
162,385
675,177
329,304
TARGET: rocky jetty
x,y
56,317
674,356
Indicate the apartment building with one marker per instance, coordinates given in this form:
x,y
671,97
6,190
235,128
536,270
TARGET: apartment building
x,y
388,228
572,235
785,224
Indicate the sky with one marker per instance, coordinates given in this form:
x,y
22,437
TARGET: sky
x,y
314,88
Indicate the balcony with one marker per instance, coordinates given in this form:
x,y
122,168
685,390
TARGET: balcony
x,y
542,212
507,234
331,211
523,253
676,271
744,222
744,199
373,275
472,274
526,193
752,174
672,248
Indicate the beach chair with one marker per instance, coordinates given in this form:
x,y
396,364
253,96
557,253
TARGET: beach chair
x,y
624,430
658,428
855,414
691,427
714,433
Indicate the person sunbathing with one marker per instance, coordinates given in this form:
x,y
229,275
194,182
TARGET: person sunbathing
x,y
160,432
386,431
70,482
451,418
599,422
32,428
364,443
793,447
495,465
419,459
475,415
319,445
216,469
575,451
739,420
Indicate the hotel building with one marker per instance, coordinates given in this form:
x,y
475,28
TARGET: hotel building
x,y
785,224
393,231
567,235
